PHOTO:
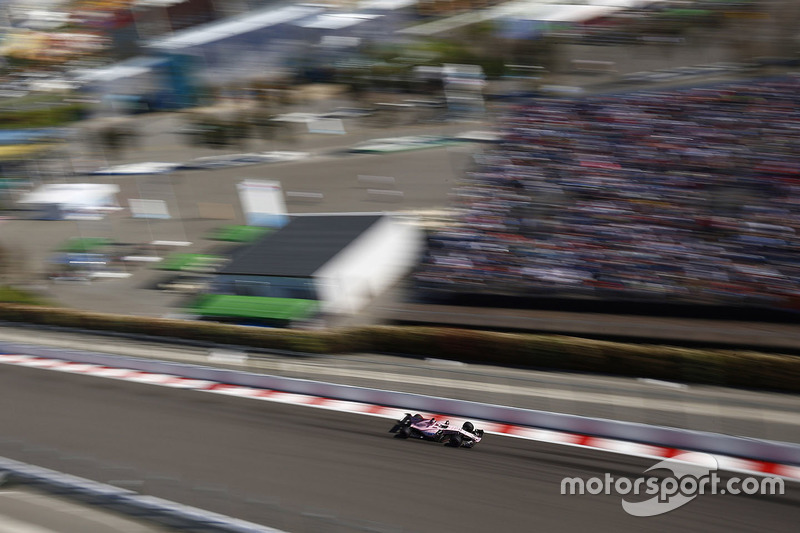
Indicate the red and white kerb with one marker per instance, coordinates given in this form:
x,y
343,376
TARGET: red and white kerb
x,y
728,463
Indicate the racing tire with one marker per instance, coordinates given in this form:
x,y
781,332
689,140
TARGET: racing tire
x,y
455,440
468,427
403,433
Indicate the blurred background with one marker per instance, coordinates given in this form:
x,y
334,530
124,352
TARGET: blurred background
x,y
582,155
603,169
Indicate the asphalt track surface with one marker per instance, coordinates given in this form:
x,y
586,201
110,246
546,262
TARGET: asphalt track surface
x,y
302,469
746,413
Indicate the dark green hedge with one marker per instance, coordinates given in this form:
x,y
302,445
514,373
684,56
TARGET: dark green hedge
x,y
42,118
716,367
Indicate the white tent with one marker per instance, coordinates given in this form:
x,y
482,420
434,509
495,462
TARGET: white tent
x,y
60,201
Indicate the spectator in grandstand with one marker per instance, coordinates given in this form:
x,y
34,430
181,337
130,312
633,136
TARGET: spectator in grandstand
x,y
690,195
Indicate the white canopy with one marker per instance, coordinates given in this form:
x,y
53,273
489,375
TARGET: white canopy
x,y
73,195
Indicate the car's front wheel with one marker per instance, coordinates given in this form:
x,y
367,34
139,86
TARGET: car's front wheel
x,y
455,440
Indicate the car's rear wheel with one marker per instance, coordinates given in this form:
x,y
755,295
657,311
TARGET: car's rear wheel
x,y
403,433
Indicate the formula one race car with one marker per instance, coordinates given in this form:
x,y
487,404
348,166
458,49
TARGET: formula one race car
x,y
419,427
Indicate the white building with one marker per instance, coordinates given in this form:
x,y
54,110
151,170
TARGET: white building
x,y
341,261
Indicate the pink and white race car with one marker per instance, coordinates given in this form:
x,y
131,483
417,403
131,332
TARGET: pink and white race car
x,y
419,427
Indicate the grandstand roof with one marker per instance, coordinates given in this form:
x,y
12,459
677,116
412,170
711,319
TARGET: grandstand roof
x,y
386,4
544,10
239,25
157,3
335,21
123,69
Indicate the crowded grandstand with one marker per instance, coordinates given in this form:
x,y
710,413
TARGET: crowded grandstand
x,y
684,196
